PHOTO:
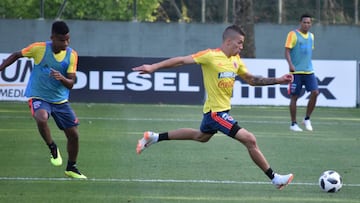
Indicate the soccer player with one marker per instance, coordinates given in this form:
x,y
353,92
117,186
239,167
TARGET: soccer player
x,y
51,79
219,67
298,53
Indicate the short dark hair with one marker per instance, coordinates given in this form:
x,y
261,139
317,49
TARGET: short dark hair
x,y
305,16
59,27
231,30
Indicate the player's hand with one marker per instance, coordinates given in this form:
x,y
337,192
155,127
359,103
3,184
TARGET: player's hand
x,y
56,74
287,78
144,69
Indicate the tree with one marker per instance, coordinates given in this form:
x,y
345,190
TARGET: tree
x,y
120,10
244,17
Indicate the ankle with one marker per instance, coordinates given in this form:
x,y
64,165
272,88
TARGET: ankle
x,y
71,165
270,173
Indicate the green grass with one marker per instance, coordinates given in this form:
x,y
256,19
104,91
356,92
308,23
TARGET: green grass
x,y
178,171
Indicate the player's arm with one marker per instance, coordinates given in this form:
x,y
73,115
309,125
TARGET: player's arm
x,y
290,42
288,59
262,81
10,60
168,63
69,79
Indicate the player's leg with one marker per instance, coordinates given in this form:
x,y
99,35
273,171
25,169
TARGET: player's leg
x,y
294,91
188,134
311,86
224,122
207,130
293,101
249,141
40,110
150,138
72,136
312,102
67,121
227,125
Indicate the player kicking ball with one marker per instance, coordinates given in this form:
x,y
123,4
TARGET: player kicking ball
x,y
219,68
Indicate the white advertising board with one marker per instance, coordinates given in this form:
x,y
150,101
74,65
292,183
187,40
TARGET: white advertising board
x,y
14,79
337,84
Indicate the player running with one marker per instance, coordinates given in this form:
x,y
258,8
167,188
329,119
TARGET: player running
x,y
51,79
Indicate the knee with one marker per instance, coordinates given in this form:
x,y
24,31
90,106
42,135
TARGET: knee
x,y
202,137
41,117
72,134
249,140
315,93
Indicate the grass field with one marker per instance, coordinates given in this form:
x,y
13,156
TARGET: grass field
x,y
178,171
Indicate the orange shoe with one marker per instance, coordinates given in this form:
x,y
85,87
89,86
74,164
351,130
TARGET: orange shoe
x,y
280,181
148,139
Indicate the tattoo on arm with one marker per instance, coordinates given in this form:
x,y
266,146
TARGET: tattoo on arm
x,y
261,81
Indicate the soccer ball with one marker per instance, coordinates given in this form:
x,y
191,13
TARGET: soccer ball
x,y
330,181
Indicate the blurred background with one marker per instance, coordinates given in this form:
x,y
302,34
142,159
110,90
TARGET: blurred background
x,y
152,29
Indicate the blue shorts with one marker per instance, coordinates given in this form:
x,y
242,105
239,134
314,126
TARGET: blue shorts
x,y
219,121
63,114
308,80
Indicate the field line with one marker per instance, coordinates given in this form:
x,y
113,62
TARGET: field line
x,y
158,181
265,121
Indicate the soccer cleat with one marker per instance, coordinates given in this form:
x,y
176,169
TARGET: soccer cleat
x,y
295,128
280,181
73,172
148,139
307,124
56,159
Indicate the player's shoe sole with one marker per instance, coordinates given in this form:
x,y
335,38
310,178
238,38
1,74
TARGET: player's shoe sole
x,y
75,175
58,160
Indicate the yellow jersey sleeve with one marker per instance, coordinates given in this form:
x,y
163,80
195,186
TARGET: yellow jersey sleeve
x,y
201,57
35,51
312,36
73,62
290,40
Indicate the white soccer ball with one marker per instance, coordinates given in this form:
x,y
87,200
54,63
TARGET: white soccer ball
x,y
330,181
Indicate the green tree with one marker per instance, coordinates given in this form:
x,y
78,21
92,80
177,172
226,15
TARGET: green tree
x,y
244,17
20,9
120,10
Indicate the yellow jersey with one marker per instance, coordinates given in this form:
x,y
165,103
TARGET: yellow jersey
x,y
219,72
36,51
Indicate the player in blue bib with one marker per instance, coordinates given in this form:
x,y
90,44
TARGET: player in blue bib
x,y
298,53
51,79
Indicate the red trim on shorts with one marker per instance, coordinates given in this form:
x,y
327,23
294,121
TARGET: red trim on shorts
x,y
221,121
30,103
